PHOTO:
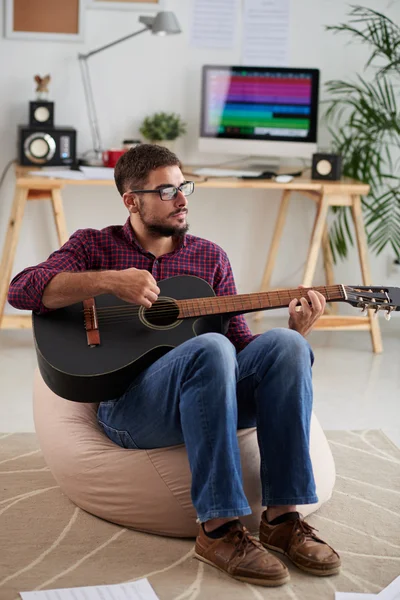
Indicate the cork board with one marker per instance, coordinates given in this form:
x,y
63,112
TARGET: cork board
x,y
46,16
45,19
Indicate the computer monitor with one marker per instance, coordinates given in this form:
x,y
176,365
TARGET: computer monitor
x,y
259,111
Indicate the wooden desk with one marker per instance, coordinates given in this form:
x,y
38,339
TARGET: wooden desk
x,y
342,193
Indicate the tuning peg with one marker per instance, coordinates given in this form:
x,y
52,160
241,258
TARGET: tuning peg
x,y
388,315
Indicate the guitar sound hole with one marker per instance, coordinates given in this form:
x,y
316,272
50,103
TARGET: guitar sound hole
x,y
163,313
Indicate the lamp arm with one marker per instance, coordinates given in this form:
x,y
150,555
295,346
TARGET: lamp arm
x,y
126,37
90,105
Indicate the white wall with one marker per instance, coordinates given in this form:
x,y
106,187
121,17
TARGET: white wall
x,y
146,74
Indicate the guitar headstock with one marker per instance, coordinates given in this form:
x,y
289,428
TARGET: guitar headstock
x,y
376,298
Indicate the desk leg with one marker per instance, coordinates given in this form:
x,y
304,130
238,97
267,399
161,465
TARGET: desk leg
x,y
362,245
328,266
273,250
10,244
59,216
316,240
276,238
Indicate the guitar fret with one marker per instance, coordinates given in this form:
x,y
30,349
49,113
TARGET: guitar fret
x,y
241,303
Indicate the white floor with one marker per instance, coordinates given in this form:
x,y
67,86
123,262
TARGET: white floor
x,y
354,389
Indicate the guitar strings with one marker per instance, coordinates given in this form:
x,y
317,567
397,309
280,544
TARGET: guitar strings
x,y
128,316
157,312
163,310
165,307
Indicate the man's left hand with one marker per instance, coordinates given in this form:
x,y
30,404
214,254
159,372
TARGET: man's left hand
x,y
304,318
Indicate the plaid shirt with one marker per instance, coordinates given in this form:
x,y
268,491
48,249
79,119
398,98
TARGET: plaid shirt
x,y
116,248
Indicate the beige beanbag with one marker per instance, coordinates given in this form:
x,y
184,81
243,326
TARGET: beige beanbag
x,y
147,490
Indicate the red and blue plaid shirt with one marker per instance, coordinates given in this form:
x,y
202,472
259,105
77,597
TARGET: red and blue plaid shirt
x,y
116,248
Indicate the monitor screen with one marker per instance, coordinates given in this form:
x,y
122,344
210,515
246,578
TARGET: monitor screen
x,y
259,103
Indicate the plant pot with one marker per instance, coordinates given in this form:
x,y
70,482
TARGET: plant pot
x,y
170,144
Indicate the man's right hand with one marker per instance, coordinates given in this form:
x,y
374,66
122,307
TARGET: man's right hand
x,y
136,286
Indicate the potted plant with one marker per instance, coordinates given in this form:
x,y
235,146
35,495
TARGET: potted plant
x,y
163,128
365,120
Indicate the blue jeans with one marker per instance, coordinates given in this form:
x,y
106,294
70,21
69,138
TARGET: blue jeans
x,y
201,392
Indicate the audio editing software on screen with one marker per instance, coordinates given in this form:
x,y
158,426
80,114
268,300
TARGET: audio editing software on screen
x,y
250,103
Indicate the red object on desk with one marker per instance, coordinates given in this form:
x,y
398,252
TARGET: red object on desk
x,y
110,157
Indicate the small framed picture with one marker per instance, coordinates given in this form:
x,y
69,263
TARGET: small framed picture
x,y
53,20
145,5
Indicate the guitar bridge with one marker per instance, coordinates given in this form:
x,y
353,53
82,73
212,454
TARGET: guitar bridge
x,y
91,323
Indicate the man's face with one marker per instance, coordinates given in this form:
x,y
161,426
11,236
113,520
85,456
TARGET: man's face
x,y
163,218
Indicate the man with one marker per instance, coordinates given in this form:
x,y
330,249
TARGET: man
x,y
202,391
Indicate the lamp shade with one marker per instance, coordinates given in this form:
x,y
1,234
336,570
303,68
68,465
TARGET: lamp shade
x,y
164,23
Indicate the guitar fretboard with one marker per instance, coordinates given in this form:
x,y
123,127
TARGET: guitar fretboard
x,y
243,303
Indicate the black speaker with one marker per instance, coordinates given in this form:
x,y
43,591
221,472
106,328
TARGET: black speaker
x,y
326,166
48,147
41,114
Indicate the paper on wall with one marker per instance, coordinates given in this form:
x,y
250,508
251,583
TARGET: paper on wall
x,y
214,24
266,33
137,590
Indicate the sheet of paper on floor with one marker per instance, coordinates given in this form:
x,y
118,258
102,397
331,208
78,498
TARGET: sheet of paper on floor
x,y
390,592
137,590
354,596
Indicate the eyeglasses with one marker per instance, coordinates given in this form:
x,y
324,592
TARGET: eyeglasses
x,y
170,192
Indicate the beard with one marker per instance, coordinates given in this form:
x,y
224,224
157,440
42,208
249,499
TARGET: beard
x,y
157,228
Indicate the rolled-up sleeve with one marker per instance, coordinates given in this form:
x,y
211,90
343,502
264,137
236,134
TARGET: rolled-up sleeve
x,y
239,332
26,288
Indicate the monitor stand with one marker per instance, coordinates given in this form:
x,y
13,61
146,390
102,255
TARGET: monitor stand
x,y
258,163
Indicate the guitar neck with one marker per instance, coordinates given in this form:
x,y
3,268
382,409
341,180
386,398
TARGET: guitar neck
x,y
245,303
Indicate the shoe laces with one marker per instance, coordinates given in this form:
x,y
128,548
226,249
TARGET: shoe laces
x,y
241,540
304,529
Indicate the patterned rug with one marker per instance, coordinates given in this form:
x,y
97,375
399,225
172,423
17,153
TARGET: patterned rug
x,y
46,542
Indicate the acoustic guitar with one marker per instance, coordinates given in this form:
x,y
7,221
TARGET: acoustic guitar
x,y
92,351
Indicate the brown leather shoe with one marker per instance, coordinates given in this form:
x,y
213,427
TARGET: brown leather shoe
x,y
296,539
242,557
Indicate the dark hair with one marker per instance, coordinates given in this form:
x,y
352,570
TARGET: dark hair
x,y
133,167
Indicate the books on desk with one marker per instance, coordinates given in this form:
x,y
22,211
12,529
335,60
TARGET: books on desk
x,y
99,173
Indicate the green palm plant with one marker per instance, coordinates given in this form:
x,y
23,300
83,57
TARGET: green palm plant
x,y
364,121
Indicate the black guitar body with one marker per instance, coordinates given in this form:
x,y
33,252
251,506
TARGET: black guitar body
x,y
131,340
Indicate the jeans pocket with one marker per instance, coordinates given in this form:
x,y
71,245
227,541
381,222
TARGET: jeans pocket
x,y
119,437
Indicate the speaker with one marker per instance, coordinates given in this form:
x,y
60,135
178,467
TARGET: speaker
x,y
326,166
41,114
48,147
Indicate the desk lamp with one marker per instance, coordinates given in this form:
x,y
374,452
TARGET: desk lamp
x,y
164,23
